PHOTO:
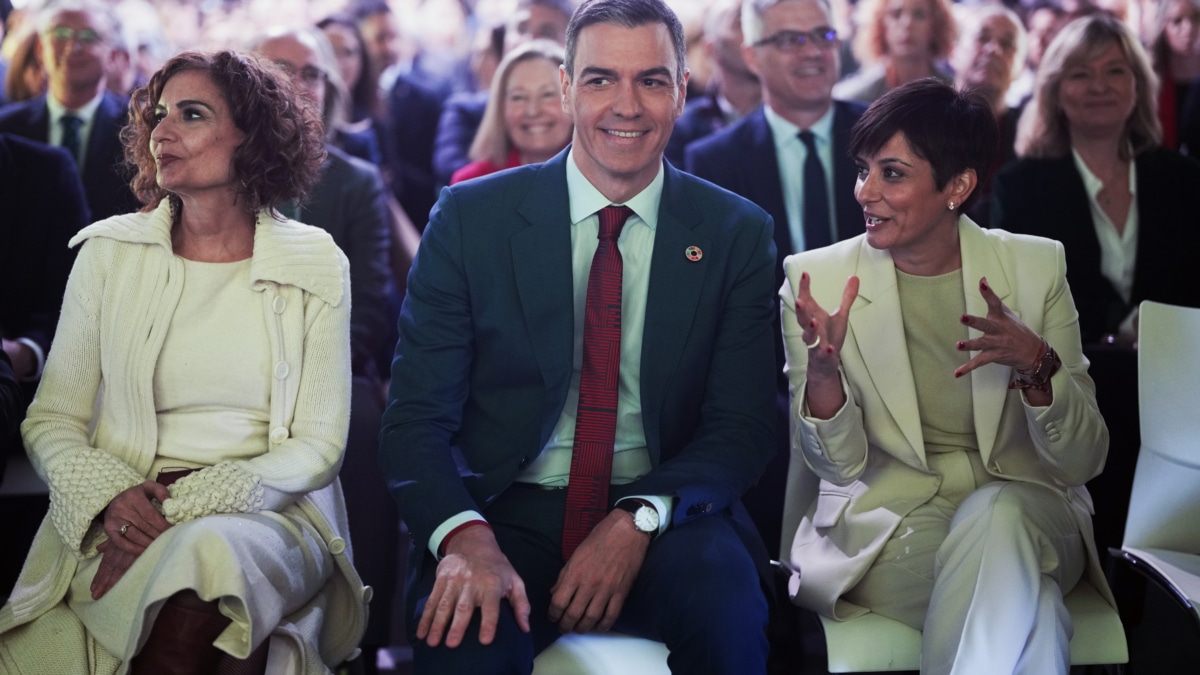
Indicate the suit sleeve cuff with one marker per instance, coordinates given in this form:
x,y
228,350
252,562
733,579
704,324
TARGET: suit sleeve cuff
x,y
448,526
39,355
662,505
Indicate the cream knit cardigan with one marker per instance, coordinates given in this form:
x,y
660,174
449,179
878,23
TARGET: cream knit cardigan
x,y
122,293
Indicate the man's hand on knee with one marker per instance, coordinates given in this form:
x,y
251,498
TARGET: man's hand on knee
x,y
592,587
474,574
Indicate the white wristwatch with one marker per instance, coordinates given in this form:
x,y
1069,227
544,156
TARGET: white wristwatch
x,y
645,516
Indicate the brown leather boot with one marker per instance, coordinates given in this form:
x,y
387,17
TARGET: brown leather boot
x,y
181,640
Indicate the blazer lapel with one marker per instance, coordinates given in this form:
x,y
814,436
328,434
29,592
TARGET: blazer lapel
x,y
879,332
766,189
989,383
671,300
541,259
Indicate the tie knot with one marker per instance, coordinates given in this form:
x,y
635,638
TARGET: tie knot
x,y
612,219
809,140
70,122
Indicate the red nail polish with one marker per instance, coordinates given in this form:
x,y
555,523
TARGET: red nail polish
x,y
957,375
960,344
983,284
965,318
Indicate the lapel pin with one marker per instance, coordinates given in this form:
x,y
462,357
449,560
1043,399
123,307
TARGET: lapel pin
x,y
693,253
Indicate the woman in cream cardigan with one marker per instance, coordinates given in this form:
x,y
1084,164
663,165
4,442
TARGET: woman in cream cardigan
x,y
192,415
940,393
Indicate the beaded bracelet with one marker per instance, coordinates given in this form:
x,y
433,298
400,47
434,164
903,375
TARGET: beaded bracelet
x,y
1037,376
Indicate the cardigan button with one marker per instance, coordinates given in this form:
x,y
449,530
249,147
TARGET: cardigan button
x,y
279,435
281,370
278,304
368,593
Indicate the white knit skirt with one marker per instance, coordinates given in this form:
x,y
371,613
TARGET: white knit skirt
x,y
261,567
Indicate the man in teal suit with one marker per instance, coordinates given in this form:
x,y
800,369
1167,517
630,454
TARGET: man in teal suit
x,y
477,441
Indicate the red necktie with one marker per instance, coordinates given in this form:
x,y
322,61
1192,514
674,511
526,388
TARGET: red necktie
x,y
596,420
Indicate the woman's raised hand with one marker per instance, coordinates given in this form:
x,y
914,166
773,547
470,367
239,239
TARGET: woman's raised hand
x,y
824,332
1005,340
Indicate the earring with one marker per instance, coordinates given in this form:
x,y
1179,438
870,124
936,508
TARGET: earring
x,y
950,205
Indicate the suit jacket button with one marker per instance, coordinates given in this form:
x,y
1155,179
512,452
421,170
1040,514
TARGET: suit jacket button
x,y
691,510
523,463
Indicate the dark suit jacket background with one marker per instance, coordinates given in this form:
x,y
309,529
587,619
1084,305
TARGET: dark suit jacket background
x,y
105,173
456,132
41,207
701,117
484,360
407,135
1047,197
349,203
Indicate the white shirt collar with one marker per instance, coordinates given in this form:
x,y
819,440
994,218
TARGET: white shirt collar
x,y
1093,184
585,200
786,133
84,112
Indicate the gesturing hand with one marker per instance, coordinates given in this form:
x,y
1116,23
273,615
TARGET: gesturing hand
x,y
593,585
1005,339
114,562
474,574
824,332
130,519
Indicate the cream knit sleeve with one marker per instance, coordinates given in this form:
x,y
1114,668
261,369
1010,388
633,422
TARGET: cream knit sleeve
x,y
82,483
222,488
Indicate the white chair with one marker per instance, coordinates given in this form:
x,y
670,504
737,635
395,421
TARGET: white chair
x,y
602,654
874,643
1161,533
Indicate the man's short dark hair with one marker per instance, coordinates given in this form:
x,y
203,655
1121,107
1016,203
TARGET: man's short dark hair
x,y
630,14
952,130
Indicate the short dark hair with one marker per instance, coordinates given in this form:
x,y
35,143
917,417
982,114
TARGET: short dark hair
x,y
952,130
280,159
631,14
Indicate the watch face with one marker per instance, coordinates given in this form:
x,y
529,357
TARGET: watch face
x,y
646,519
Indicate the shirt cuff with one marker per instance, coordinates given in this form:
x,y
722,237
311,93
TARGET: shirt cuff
x,y
447,526
660,504
39,355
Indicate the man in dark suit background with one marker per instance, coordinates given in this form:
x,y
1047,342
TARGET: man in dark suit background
x,y
77,113
490,377
41,208
733,91
762,158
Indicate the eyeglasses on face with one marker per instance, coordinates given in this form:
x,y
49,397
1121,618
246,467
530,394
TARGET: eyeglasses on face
x,y
308,74
793,40
85,36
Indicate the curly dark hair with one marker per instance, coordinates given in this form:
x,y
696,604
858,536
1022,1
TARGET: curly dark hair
x,y
281,158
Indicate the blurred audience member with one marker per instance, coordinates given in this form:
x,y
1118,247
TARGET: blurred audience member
x,y
78,113
989,53
1042,22
898,41
353,65
1175,53
524,121
532,20
41,207
24,78
733,91
1094,176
